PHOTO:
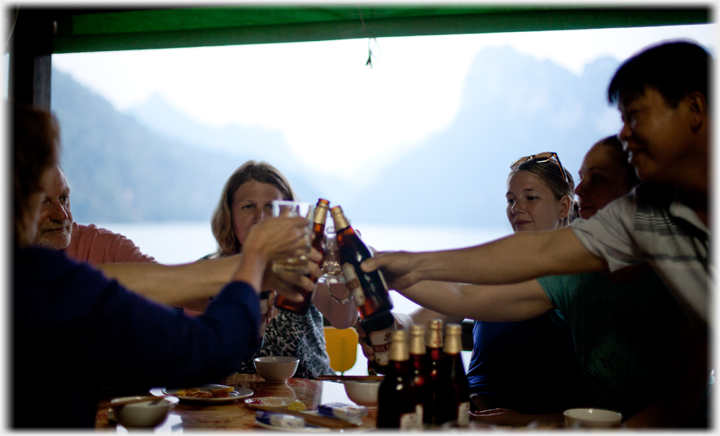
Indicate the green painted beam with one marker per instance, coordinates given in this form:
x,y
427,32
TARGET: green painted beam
x,y
198,27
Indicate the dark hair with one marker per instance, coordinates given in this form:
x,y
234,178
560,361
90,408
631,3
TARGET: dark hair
x,y
674,69
621,159
35,137
221,223
549,173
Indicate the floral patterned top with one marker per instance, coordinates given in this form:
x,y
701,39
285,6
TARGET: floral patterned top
x,y
301,336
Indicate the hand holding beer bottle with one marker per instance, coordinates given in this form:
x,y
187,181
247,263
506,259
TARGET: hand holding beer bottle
x,y
369,290
317,243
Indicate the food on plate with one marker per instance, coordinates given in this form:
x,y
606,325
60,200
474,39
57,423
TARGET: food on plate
x,y
199,393
268,401
221,392
297,406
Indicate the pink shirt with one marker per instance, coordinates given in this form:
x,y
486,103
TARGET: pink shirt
x,y
98,246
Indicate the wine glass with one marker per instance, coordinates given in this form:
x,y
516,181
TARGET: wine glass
x,y
331,270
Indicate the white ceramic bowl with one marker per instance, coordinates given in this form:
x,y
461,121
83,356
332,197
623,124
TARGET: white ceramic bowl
x,y
363,392
592,418
276,369
146,414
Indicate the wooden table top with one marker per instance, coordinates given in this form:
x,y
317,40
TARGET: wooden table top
x,y
238,415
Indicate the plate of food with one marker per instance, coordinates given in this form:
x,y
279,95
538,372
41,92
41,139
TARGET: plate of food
x,y
210,393
276,402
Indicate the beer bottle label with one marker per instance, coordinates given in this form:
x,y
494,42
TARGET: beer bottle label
x,y
380,340
408,421
353,284
464,414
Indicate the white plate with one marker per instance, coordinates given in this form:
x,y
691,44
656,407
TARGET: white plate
x,y
271,401
306,429
235,395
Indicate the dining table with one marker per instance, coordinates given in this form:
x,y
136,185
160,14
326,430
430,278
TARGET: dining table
x,y
238,415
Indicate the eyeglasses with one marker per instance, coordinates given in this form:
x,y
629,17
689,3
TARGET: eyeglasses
x,y
541,158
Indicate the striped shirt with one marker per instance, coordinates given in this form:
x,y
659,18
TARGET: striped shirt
x,y
650,224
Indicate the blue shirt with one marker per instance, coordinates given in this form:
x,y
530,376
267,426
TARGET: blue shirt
x,y
527,366
75,330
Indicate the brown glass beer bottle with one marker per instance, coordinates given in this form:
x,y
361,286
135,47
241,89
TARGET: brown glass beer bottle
x,y
397,399
369,290
455,389
434,353
421,369
317,240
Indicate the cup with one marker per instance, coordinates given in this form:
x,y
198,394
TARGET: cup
x,y
298,264
331,270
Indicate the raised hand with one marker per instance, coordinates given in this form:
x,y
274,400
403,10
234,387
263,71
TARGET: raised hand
x,y
402,322
275,238
271,239
398,268
283,282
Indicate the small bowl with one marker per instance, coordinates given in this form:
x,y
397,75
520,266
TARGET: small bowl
x,y
591,418
146,414
363,392
276,369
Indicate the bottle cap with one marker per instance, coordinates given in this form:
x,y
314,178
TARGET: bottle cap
x,y
434,337
339,219
417,340
398,346
453,339
321,210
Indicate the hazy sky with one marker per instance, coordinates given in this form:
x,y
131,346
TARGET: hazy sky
x,y
321,94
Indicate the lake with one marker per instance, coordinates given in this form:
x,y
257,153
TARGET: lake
x,y
183,242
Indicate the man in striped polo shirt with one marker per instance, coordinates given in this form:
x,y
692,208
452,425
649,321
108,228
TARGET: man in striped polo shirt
x,y
663,97
662,94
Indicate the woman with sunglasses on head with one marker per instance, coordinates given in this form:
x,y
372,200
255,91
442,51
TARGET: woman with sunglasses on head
x,y
637,349
529,365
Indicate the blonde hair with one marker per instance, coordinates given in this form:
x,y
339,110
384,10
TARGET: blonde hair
x,y
222,222
549,173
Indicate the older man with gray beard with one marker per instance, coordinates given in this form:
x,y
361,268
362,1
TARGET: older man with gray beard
x,y
57,231
188,286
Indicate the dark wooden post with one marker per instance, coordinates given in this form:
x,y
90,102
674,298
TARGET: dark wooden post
x,y
31,46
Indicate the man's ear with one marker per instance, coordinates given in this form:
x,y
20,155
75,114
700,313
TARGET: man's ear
x,y
697,108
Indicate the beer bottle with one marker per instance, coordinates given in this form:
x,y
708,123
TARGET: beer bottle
x,y
455,391
397,399
369,290
434,353
421,370
318,242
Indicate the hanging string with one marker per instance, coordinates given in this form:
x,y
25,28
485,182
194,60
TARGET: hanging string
x,y
371,41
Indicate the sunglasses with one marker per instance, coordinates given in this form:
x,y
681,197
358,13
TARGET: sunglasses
x,y
541,158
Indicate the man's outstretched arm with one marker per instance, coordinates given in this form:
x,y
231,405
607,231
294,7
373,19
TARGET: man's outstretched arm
x,y
513,259
191,285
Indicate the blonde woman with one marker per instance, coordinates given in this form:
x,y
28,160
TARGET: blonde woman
x,y
246,201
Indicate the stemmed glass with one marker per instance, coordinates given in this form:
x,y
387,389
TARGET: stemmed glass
x,y
331,270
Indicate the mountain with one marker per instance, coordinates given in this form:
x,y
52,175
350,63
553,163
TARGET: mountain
x,y
244,142
513,106
154,163
121,171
